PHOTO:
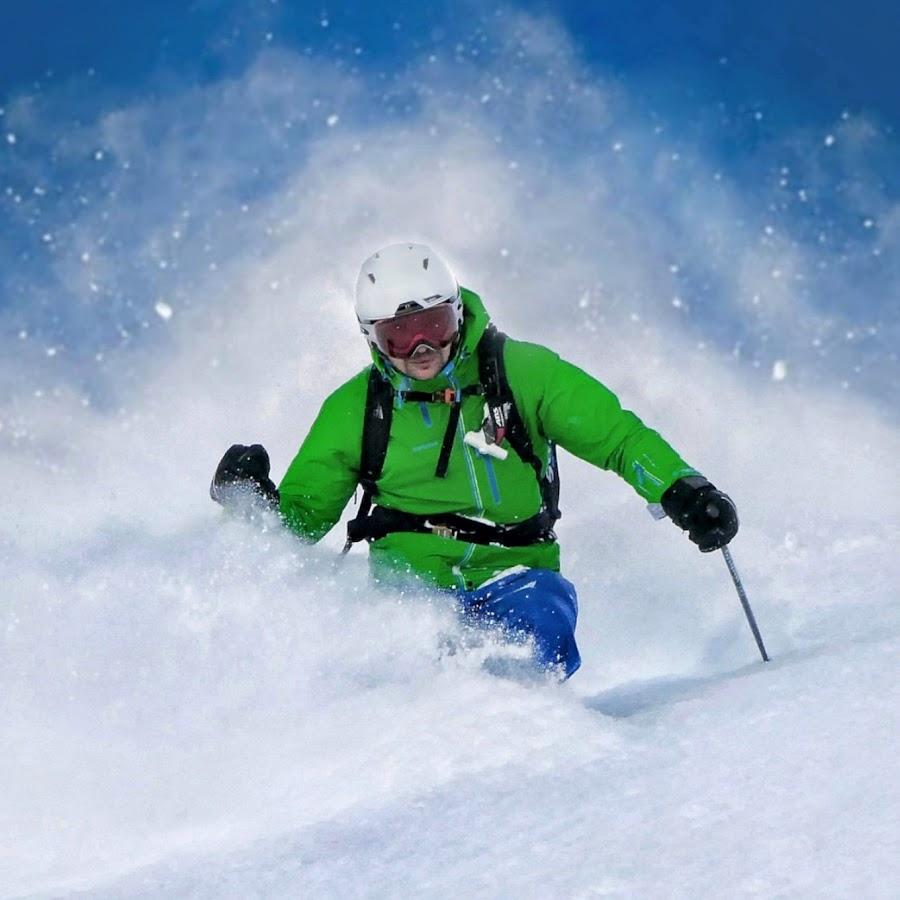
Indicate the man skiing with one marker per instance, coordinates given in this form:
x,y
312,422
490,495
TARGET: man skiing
x,y
452,432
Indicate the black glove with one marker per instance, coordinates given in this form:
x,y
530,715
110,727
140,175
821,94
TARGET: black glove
x,y
708,515
244,471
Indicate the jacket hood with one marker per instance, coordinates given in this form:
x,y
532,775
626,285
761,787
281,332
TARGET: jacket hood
x,y
462,369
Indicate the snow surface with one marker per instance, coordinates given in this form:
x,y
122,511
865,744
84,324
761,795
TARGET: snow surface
x,y
192,706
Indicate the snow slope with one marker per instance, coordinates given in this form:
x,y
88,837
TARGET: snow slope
x,y
741,786
197,707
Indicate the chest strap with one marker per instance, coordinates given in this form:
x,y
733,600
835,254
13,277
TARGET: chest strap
x,y
454,399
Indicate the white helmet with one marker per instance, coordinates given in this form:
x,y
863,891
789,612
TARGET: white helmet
x,y
402,279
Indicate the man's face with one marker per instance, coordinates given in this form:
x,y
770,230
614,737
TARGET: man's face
x,y
425,363
419,343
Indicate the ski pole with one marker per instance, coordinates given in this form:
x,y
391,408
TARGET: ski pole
x,y
742,594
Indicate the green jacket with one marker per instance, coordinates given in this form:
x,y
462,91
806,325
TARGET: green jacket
x,y
558,402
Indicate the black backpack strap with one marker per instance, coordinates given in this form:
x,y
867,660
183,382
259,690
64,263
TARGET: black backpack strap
x,y
505,420
447,443
375,436
383,521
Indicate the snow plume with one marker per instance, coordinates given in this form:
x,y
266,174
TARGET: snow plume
x,y
175,686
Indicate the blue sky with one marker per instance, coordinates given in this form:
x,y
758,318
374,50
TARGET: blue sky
x,y
803,55
765,128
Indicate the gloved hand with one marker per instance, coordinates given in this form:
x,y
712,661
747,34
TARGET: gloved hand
x,y
698,507
242,472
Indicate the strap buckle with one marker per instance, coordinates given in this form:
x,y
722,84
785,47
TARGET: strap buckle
x,y
444,531
448,395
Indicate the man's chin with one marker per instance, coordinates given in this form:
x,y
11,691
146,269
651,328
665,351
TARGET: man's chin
x,y
423,368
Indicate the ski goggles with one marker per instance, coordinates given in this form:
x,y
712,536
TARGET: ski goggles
x,y
401,335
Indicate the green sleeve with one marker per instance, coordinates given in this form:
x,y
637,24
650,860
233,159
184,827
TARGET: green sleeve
x,y
571,408
321,479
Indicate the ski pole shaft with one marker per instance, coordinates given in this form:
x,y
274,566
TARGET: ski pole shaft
x,y
742,594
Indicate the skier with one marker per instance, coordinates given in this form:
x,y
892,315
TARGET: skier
x,y
452,432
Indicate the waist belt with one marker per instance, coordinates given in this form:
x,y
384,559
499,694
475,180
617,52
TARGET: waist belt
x,y
382,521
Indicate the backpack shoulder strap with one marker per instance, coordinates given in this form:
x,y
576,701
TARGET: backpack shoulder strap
x,y
375,435
376,429
506,421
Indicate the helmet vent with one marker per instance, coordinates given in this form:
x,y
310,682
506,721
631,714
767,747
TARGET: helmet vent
x,y
398,274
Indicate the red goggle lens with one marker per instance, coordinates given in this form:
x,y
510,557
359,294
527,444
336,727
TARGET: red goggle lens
x,y
400,336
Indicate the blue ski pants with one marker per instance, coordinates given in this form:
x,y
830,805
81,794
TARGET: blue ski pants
x,y
536,603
